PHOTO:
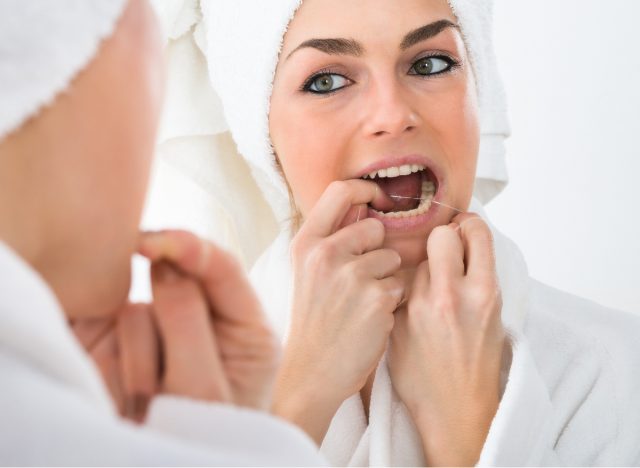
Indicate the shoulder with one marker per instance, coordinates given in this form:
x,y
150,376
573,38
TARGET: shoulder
x,y
584,322
589,356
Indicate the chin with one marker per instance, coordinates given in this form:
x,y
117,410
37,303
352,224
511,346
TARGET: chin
x,y
412,247
104,296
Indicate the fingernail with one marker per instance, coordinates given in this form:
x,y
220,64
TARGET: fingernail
x,y
455,226
165,273
151,242
135,407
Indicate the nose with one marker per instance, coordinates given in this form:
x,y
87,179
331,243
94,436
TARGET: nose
x,y
390,111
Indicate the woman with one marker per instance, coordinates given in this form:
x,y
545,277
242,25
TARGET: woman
x,y
366,122
81,86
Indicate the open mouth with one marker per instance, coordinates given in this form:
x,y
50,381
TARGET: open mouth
x,y
410,189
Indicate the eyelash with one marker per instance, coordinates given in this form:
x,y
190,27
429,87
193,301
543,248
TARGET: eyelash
x,y
306,87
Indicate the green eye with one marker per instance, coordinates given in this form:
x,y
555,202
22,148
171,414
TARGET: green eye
x,y
327,83
430,66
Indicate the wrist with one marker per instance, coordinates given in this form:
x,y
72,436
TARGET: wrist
x,y
308,402
456,439
310,410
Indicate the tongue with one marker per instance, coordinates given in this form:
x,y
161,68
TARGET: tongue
x,y
409,186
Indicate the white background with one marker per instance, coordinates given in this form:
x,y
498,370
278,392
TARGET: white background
x,y
572,72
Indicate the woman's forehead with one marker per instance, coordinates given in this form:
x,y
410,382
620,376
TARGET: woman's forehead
x,y
363,21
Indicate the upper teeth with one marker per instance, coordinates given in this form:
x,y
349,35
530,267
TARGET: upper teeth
x,y
396,171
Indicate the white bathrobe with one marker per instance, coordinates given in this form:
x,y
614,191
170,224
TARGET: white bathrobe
x,y
54,409
570,395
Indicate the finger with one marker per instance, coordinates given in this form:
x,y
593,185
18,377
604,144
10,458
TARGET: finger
x,y
421,280
445,254
358,238
379,264
191,359
90,332
330,210
355,214
478,244
105,354
139,358
225,283
395,289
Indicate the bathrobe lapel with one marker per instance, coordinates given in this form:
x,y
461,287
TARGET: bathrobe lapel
x,y
34,328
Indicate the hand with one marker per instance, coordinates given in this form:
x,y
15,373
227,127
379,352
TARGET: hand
x,y
126,351
181,345
343,303
216,341
447,344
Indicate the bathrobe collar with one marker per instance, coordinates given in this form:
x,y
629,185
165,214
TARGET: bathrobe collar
x,y
34,329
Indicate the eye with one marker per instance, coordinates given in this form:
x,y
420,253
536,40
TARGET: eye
x,y
326,83
428,66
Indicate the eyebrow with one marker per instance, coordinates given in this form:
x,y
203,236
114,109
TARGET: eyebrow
x,y
332,46
352,47
426,32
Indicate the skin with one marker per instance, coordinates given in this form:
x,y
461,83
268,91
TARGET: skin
x,y
357,284
386,112
72,188
77,172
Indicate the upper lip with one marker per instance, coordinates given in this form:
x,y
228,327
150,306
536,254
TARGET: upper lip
x,y
396,161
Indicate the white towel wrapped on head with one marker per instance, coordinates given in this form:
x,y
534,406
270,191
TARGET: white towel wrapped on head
x,y
243,46
43,46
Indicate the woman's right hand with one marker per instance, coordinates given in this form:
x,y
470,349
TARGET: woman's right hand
x,y
345,295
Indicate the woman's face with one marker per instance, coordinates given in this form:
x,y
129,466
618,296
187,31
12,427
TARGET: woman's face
x,y
378,85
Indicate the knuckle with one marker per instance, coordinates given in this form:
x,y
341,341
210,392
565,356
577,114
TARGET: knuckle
x,y
380,293
339,189
481,232
476,226
322,255
374,231
446,301
230,260
354,272
316,259
438,234
328,249
393,258
297,247
375,226
487,297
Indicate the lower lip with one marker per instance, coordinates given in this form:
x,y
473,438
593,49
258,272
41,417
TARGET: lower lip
x,y
414,222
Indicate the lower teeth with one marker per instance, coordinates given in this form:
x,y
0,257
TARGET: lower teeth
x,y
428,192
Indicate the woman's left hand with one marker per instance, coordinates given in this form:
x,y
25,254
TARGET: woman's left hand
x,y
447,343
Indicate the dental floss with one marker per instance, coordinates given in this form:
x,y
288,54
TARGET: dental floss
x,y
432,201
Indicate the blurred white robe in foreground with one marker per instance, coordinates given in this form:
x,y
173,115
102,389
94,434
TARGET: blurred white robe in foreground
x,y
56,411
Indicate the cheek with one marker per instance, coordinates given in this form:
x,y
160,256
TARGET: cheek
x,y
457,125
309,147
